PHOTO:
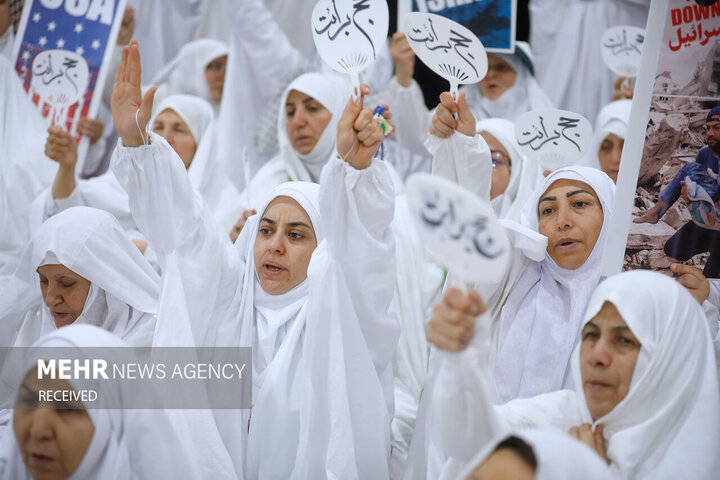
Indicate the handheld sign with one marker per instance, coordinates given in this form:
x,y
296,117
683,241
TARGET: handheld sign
x,y
553,138
458,228
621,49
349,34
447,48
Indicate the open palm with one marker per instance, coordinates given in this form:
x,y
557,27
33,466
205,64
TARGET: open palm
x,y
127,99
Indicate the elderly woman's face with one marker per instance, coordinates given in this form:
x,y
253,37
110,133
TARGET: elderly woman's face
x,y
570,216
63,291
609,155
52,438
503,464
501,165
283,247
500,77
306,121
608,353
169,125
215,76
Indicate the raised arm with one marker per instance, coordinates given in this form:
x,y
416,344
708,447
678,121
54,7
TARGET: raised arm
x,y
459,154
357,199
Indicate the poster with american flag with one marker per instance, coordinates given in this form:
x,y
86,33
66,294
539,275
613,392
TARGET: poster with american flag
x,y
62,53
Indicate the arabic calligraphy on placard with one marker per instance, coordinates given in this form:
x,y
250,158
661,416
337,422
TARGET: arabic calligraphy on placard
x,y
622,43
59,76
333,22
697,35
452,41
456,226
539,135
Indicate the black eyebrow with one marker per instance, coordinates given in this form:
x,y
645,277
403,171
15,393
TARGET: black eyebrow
x,y
290,224
299,224
309,99
621,327
590,324
575,192
547,199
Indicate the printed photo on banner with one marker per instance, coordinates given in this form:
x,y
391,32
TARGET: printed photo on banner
x,y
61,53
676,212
493,21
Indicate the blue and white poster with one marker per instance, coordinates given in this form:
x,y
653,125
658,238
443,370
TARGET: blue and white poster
x,y
493,21
61,56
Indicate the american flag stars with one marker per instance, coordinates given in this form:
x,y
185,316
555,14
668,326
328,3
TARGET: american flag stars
x,y
60,43
36,17
78,28
95,44
51,26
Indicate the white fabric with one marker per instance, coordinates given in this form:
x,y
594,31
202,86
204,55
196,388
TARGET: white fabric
x,y
123,298
126,443
339,342
532,287
524,95
613,118
525,174
24,169
162,27
558,456
540,320
205,172
668,425
565,38
261,61
185,74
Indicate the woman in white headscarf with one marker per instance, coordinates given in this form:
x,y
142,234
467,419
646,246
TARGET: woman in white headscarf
x,y
100,442
198,69
537,306
546,454
646,389
315,315
303,118
82,249
609,138
514,176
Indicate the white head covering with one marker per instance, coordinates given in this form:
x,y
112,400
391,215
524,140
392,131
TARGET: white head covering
x,y
124,288
613,118
540,321
525,174
524,95
126,443
332,91
558,456
186,72
668,425
206,175
274,326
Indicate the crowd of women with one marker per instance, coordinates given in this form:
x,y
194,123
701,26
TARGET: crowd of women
x,y
236,194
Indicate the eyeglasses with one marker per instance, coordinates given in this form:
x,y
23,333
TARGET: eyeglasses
x,y
499,158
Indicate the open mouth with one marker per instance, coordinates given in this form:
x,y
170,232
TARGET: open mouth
x,y
272,269
566,244
39,459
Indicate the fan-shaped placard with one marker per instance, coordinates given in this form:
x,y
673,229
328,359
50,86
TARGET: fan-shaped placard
x,y
553,138
458,228
449,49
349,34
621,49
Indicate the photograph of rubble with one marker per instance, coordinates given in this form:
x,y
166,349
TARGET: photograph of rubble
x,y
676,212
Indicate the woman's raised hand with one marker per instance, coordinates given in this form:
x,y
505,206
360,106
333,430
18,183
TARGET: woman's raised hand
x,y
127,99
452,325
444,123
358,134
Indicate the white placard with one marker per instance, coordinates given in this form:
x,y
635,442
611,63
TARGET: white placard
x,y
553,138
459,229
621,49
60,78
349,34
447,48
